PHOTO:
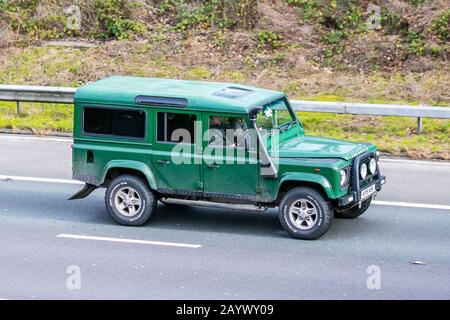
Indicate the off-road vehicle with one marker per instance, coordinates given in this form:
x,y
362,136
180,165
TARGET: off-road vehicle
x,y
147,140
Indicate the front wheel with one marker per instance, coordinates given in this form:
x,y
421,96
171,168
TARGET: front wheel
x,y
129,201
305,213
353,212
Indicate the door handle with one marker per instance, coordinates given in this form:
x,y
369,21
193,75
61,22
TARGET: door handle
x,y
163,162
213,166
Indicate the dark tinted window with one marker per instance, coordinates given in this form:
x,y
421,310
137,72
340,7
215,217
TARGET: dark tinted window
x,y
169,122
115,122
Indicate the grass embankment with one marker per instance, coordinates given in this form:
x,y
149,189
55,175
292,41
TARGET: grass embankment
x,y
69,66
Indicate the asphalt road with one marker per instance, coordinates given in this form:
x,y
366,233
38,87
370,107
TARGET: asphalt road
x,y
199,253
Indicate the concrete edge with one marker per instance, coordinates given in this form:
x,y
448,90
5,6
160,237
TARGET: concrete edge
x,y
30,132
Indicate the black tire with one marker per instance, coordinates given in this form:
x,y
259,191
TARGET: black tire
x,y
353,212
147,200
323,209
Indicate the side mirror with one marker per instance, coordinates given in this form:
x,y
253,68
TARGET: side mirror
x,y
268,113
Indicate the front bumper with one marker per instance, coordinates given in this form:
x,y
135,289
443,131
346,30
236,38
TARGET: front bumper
x,y
356,186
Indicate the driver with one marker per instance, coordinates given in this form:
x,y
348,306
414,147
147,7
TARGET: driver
x,y
217,131
237,126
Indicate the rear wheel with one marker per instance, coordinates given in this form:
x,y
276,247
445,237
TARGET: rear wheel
x,y
305,213
353,212
129,201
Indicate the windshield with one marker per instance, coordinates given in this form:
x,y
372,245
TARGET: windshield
x,y
275,115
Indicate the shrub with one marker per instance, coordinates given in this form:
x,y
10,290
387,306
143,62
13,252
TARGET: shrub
x,y
211,13
113,20
269,39
441,26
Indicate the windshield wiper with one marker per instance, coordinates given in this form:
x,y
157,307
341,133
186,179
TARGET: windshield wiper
x,y
287,125
291,124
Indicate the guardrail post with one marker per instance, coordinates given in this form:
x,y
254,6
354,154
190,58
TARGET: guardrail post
x,y
419,125
19,108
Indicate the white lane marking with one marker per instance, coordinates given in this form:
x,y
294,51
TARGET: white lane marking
x,y
381,203
34,179
411,205
17,137
409,161
155,243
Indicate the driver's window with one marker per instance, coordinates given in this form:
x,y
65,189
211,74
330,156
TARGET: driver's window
x,y
274,115
226,131
264,120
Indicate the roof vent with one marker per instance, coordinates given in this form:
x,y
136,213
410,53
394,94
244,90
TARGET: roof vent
x,y
162,101
232,92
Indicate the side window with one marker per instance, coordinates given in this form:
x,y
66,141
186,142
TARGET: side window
x,y
176,127
226,131
114,122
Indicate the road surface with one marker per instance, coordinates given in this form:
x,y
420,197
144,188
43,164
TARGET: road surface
x,y
202,253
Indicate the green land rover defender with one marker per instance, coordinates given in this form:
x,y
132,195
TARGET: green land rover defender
x,y
220,144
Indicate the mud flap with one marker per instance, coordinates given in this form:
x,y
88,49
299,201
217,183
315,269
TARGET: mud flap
x,y
83,193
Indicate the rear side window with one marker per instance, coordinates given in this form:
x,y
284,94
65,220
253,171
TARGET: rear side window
x,y
176,127
114,122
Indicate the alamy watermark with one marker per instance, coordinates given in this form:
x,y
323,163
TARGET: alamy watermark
x,y
374,20
73,13
222,146
73,281
374,280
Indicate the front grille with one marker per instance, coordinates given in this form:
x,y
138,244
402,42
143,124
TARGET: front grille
x,y
356,183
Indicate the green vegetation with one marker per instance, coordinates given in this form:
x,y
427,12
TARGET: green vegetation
x,y
42,20
441,26
343,22
40,118
341,26
319,50
114,21
417,3
213,13
68,66
391,134
269,39
123,19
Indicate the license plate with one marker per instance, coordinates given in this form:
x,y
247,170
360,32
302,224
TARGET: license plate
x,y
368,192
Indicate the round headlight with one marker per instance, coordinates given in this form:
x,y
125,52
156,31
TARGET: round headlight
x,y
343,180
363,171
373,166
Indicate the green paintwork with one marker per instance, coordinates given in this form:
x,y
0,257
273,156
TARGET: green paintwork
x,y
317,147
182,171
234,171
300,158
129,164
200,94
309,177
302,170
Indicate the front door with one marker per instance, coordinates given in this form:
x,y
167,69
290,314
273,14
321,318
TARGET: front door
x,y
228,167
177,154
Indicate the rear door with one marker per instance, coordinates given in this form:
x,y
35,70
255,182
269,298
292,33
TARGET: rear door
x,y
177,153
